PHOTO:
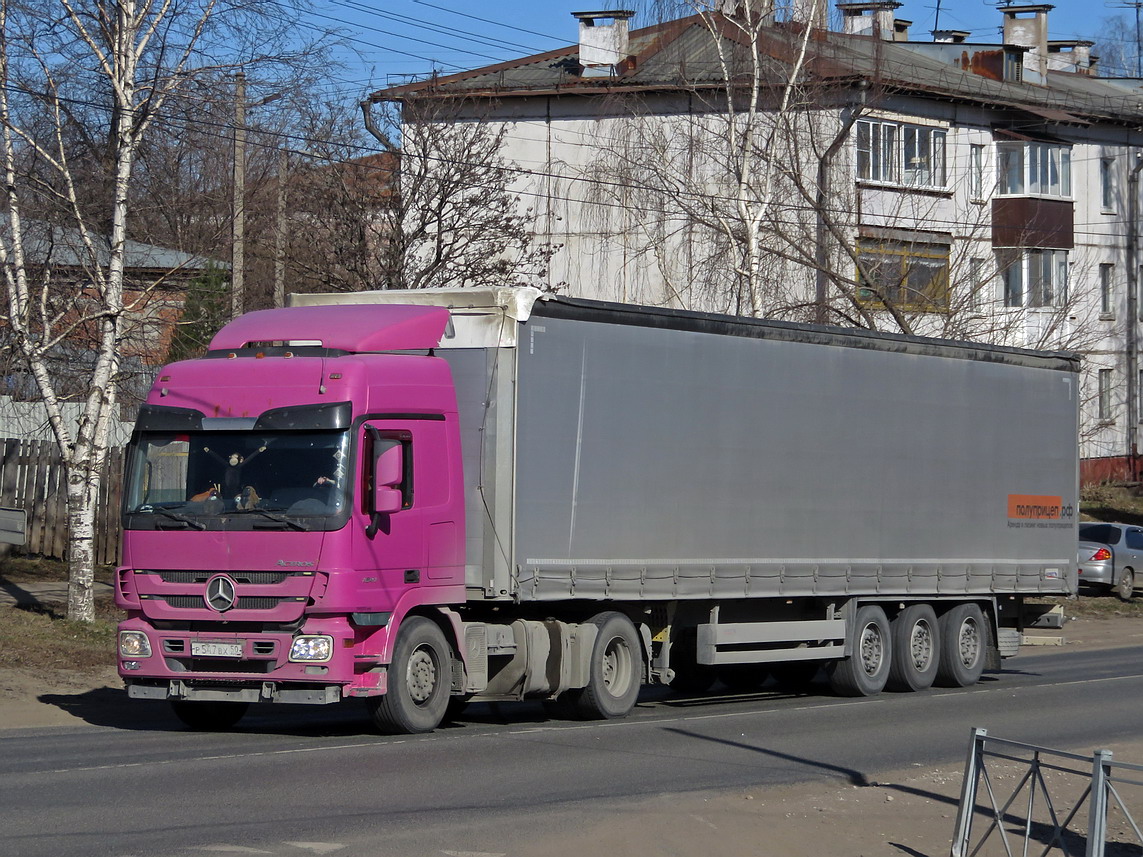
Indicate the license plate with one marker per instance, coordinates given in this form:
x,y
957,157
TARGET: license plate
x,y
215,650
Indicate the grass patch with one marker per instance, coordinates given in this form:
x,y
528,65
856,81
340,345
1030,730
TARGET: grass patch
x,y
38,569
1114,503
36,639
40,637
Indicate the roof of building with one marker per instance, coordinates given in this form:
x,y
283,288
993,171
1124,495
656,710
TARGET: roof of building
x,y
46,243
682,55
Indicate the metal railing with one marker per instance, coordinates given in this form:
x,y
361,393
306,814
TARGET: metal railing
x,y
1060,831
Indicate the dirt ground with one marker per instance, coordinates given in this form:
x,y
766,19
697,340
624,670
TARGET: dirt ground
x,y
910,812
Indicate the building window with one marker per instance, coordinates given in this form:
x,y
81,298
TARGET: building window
x,y
976,172
905,274
1106,306
1105,395
924,156
1034,169
1013,66
907,155
976,280
1035,278
1107,184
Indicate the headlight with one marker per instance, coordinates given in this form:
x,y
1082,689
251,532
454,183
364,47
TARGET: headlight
x,y
311,649
134,644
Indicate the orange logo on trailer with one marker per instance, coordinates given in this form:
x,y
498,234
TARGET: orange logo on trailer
x,y
1035,507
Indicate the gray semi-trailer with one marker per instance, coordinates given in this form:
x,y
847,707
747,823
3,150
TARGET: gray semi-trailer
x,y
657,495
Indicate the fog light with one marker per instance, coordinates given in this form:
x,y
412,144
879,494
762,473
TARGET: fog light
x,y
311,649
132,665
134,644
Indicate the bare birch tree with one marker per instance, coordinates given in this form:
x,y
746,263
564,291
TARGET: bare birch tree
x,y
455,221
749,200
81,85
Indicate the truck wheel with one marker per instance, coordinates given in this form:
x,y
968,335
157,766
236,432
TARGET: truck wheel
x,y
964,638
865,672
614,676
420,678
1125,585
208,716
916,648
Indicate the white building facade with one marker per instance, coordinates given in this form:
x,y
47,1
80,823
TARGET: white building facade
x,y
944,188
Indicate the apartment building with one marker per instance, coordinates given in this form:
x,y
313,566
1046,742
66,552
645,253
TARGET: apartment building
x,y
734,162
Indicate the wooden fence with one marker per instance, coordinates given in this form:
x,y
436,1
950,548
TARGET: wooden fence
x,y
32,478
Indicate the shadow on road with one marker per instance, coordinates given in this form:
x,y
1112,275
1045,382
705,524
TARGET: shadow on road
x,y
110,706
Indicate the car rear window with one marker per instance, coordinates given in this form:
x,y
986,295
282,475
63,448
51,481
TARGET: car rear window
x,y
1104,533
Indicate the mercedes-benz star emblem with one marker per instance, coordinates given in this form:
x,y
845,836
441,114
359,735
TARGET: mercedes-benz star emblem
x,y
220,593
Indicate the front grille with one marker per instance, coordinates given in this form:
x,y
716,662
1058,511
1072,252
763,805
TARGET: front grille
x,y
264,578
248,602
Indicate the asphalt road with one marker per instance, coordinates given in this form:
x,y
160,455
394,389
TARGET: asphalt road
x,y
315,781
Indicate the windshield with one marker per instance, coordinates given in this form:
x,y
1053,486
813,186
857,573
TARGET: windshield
x,y
268,478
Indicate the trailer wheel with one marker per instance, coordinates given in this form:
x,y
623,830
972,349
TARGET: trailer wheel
x,y
614,675
865,672
208,716
1125,585
964,639
916,648
420,678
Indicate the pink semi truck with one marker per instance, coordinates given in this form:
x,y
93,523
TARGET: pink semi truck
x,y
421,499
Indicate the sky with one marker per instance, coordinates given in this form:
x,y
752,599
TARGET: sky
x,y
396,40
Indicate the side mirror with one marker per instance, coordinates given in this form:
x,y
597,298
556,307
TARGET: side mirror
x,y
388,474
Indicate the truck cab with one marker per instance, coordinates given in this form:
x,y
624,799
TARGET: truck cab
x,y
290,499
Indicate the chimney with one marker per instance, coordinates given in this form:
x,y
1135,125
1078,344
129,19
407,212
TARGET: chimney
x,y
602,41
901,30
872,18
1027,27
951,37
812,13
758,11
1072,55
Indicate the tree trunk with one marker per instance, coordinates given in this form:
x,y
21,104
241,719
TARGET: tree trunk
x,y
82,488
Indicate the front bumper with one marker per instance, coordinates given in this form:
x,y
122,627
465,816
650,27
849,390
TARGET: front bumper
x,y
260,671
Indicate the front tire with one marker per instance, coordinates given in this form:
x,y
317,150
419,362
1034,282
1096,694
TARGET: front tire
x,y
964,640
209,716
916,648
615,674
420,680
1125,584
866,670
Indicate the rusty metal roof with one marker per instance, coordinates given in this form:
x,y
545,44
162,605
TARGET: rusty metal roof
x,y
683,55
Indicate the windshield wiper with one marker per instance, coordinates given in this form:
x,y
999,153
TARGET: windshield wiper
x,y
182,519
279,519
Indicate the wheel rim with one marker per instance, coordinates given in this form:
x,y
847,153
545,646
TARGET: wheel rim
x,y
618,667
421,675
1126,584
921,646
872,649
969,642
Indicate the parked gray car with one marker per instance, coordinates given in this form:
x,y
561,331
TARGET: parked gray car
x,y
1110,557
